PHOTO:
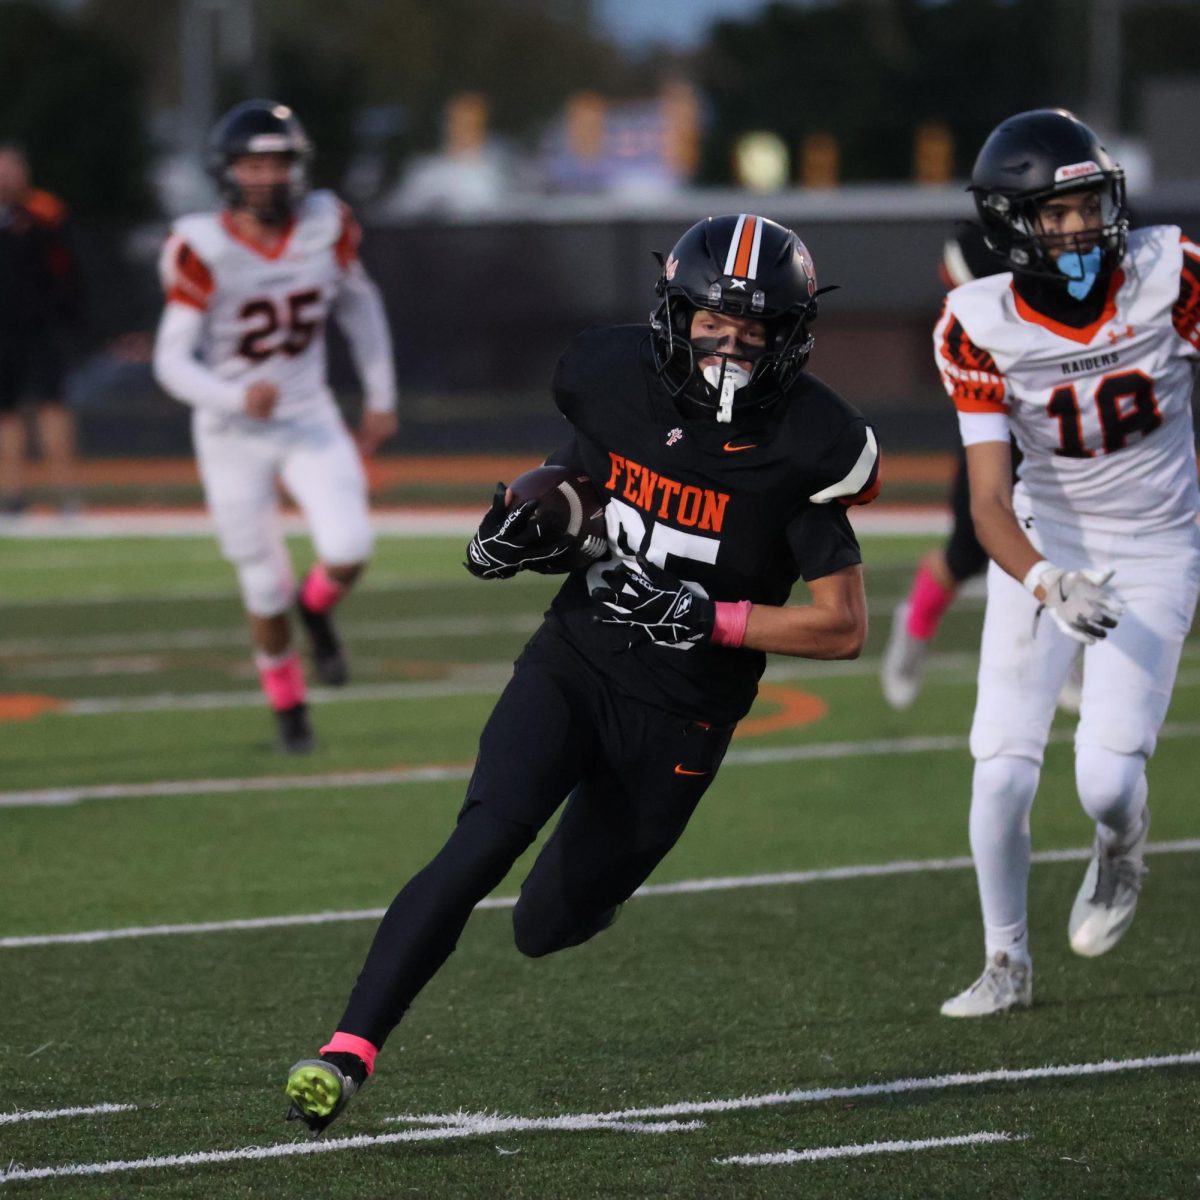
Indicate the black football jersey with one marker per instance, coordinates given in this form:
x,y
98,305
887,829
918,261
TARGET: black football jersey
x,y
742,510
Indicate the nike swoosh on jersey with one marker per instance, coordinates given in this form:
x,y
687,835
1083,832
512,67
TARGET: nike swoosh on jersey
x,y
735,449
680,769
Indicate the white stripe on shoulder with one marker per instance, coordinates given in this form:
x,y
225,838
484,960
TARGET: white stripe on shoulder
x,y
858,477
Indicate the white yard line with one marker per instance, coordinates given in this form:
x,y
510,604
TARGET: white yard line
x,y
235,636
438,772
683,887
694,1108
823,1153
50,1114
333,1145
486,682
408,522
356,632
643,1120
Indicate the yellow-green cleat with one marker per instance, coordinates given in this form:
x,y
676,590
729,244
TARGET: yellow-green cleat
x,y
318,1090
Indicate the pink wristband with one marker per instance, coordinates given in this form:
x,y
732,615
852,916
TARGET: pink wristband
x,y
730,626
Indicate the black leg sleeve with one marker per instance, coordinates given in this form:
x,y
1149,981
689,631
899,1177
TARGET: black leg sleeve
x,y
965,557
422,925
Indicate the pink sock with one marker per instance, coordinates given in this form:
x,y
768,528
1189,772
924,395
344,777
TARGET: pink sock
x,y
347,1043
927,601
320,591
282,679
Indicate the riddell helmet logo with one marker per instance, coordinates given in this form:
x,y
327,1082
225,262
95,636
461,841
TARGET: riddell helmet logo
x,y
671,267
1076,171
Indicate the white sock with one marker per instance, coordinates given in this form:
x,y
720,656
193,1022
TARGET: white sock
x,y
1002,792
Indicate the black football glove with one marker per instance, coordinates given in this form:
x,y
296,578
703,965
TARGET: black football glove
x,y
512,540
654,606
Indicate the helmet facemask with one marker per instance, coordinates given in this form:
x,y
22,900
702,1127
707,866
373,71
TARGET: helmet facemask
x,y
722,385
272,204
1013,228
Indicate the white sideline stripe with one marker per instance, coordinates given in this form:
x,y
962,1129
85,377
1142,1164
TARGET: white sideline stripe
x,y
234,635
58,797
479,1127
871,748
683,887
50,1114
409,522
484,679
892,1087
785,1157
402,627
173,702
481,680
402,522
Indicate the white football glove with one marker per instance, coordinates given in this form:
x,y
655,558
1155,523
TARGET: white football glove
x,y
1082,604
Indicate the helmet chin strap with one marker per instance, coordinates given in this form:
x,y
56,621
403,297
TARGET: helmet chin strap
x,y
725,379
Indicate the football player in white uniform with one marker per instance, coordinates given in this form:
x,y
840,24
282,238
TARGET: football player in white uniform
x,y
241,340
1084,351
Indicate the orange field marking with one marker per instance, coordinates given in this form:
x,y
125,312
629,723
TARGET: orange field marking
x,y
19,706
796,708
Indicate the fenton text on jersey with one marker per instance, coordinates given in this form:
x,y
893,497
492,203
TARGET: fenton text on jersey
x,y
682,503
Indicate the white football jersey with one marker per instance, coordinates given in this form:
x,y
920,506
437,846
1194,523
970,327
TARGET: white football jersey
x,y
265,311
1101,414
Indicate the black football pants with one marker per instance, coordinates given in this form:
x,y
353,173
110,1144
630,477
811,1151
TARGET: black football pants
x,y
632,776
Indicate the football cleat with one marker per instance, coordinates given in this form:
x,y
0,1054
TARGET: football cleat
x,y
295,729
1004,985
903,662
328,655
318,1090
1108,897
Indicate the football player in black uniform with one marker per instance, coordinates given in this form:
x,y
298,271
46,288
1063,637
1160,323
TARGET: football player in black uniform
x,y
729,471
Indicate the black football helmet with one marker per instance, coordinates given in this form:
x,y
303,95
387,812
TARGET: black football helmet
x,y
1026,160
261,127
741,266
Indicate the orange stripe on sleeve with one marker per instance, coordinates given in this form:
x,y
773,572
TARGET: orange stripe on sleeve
x,y
177,295
1185,314
47,208
969,373
346,250
191,281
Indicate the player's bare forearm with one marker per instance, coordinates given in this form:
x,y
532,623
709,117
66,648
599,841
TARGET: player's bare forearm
x,y
375,429
989,467
834,625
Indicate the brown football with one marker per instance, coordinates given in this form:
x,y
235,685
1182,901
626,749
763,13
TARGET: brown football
x,y
569,503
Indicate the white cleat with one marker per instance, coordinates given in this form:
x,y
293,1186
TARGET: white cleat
x,y
1005,984
1108,896
903,662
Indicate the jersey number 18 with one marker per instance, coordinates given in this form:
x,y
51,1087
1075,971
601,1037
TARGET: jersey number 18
x,y
1125,404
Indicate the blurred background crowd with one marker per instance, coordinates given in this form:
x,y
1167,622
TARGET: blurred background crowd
x,y
515,163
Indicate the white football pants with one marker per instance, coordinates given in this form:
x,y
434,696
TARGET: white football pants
x,y
1127,682
241,462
